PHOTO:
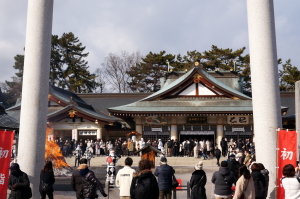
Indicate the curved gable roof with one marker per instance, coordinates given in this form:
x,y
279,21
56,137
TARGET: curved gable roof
x,y
187,77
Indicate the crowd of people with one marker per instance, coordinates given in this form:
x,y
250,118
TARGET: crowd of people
x,y
239,176
249,184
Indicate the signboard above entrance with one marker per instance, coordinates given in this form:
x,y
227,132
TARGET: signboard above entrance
x,y
197,120
157,129
156,120
87,132
238,119
197,132
238,129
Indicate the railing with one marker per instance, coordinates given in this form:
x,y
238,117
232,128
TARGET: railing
x,y
183,188
174,191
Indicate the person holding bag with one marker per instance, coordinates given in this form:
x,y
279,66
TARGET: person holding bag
x,y
18,183
245,188
47,180
197,182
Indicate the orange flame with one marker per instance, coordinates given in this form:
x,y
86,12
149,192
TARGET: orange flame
x,y
53,153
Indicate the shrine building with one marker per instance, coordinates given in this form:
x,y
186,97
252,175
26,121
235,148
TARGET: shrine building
x,y
190,104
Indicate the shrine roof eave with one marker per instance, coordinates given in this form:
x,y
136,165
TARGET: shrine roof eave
x,y
95,115
8,122
185,110
181,80
148,146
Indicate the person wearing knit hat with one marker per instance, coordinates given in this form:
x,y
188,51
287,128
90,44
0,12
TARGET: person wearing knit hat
x,y
197,182
199,165
90,183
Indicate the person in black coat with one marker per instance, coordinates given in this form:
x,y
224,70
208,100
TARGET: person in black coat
x,y
18,183
144,184
47,179
259,181
90,183
197,182
223,180
76,180
223,145
218,155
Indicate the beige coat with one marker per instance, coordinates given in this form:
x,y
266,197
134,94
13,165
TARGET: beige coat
x,y
241,186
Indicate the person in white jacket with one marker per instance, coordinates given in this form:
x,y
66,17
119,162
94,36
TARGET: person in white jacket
x,y
124,178
290,182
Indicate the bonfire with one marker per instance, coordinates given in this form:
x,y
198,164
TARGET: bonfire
x,y
53,153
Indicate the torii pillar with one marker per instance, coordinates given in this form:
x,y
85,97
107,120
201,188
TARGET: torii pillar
x,y
35,90
265,84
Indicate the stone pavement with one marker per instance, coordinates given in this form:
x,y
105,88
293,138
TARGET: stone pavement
x,y
176,161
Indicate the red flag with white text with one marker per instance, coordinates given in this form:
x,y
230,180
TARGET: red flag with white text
x,y
286,154
6,141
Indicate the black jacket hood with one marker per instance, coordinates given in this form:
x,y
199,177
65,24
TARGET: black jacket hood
x,y
224,171
143,174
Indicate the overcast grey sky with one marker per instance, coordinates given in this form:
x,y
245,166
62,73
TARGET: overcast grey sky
x,y
175,26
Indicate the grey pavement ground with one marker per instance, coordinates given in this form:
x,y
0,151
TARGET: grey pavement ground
x,y
184,167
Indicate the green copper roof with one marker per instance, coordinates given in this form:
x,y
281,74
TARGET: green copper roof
x,y
223,105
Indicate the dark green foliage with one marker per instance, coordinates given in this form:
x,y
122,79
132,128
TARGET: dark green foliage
x,y
145,76
69,70
288,76
12,89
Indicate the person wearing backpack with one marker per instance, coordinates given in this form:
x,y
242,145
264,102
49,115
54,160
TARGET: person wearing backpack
x,y
259,181
144,184
164,173
90,183
223,180
290,182
47,180
18,183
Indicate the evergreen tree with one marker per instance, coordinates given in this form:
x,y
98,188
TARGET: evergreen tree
x,y
144,77
56,63
75,74
288,76
13,89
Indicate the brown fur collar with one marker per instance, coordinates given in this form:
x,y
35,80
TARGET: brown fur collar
x,y
141,173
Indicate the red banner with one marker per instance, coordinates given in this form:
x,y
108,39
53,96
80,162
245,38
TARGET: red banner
x,y
286,154
6,141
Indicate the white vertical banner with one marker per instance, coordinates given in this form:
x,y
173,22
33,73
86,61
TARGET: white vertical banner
x,y
74,134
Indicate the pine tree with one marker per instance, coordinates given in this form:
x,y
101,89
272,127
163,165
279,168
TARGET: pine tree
x,y
288,76
13,89
75,76
145,76
56,63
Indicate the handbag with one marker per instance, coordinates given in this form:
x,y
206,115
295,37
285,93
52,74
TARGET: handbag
x,y
175,183
45,187
28,192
